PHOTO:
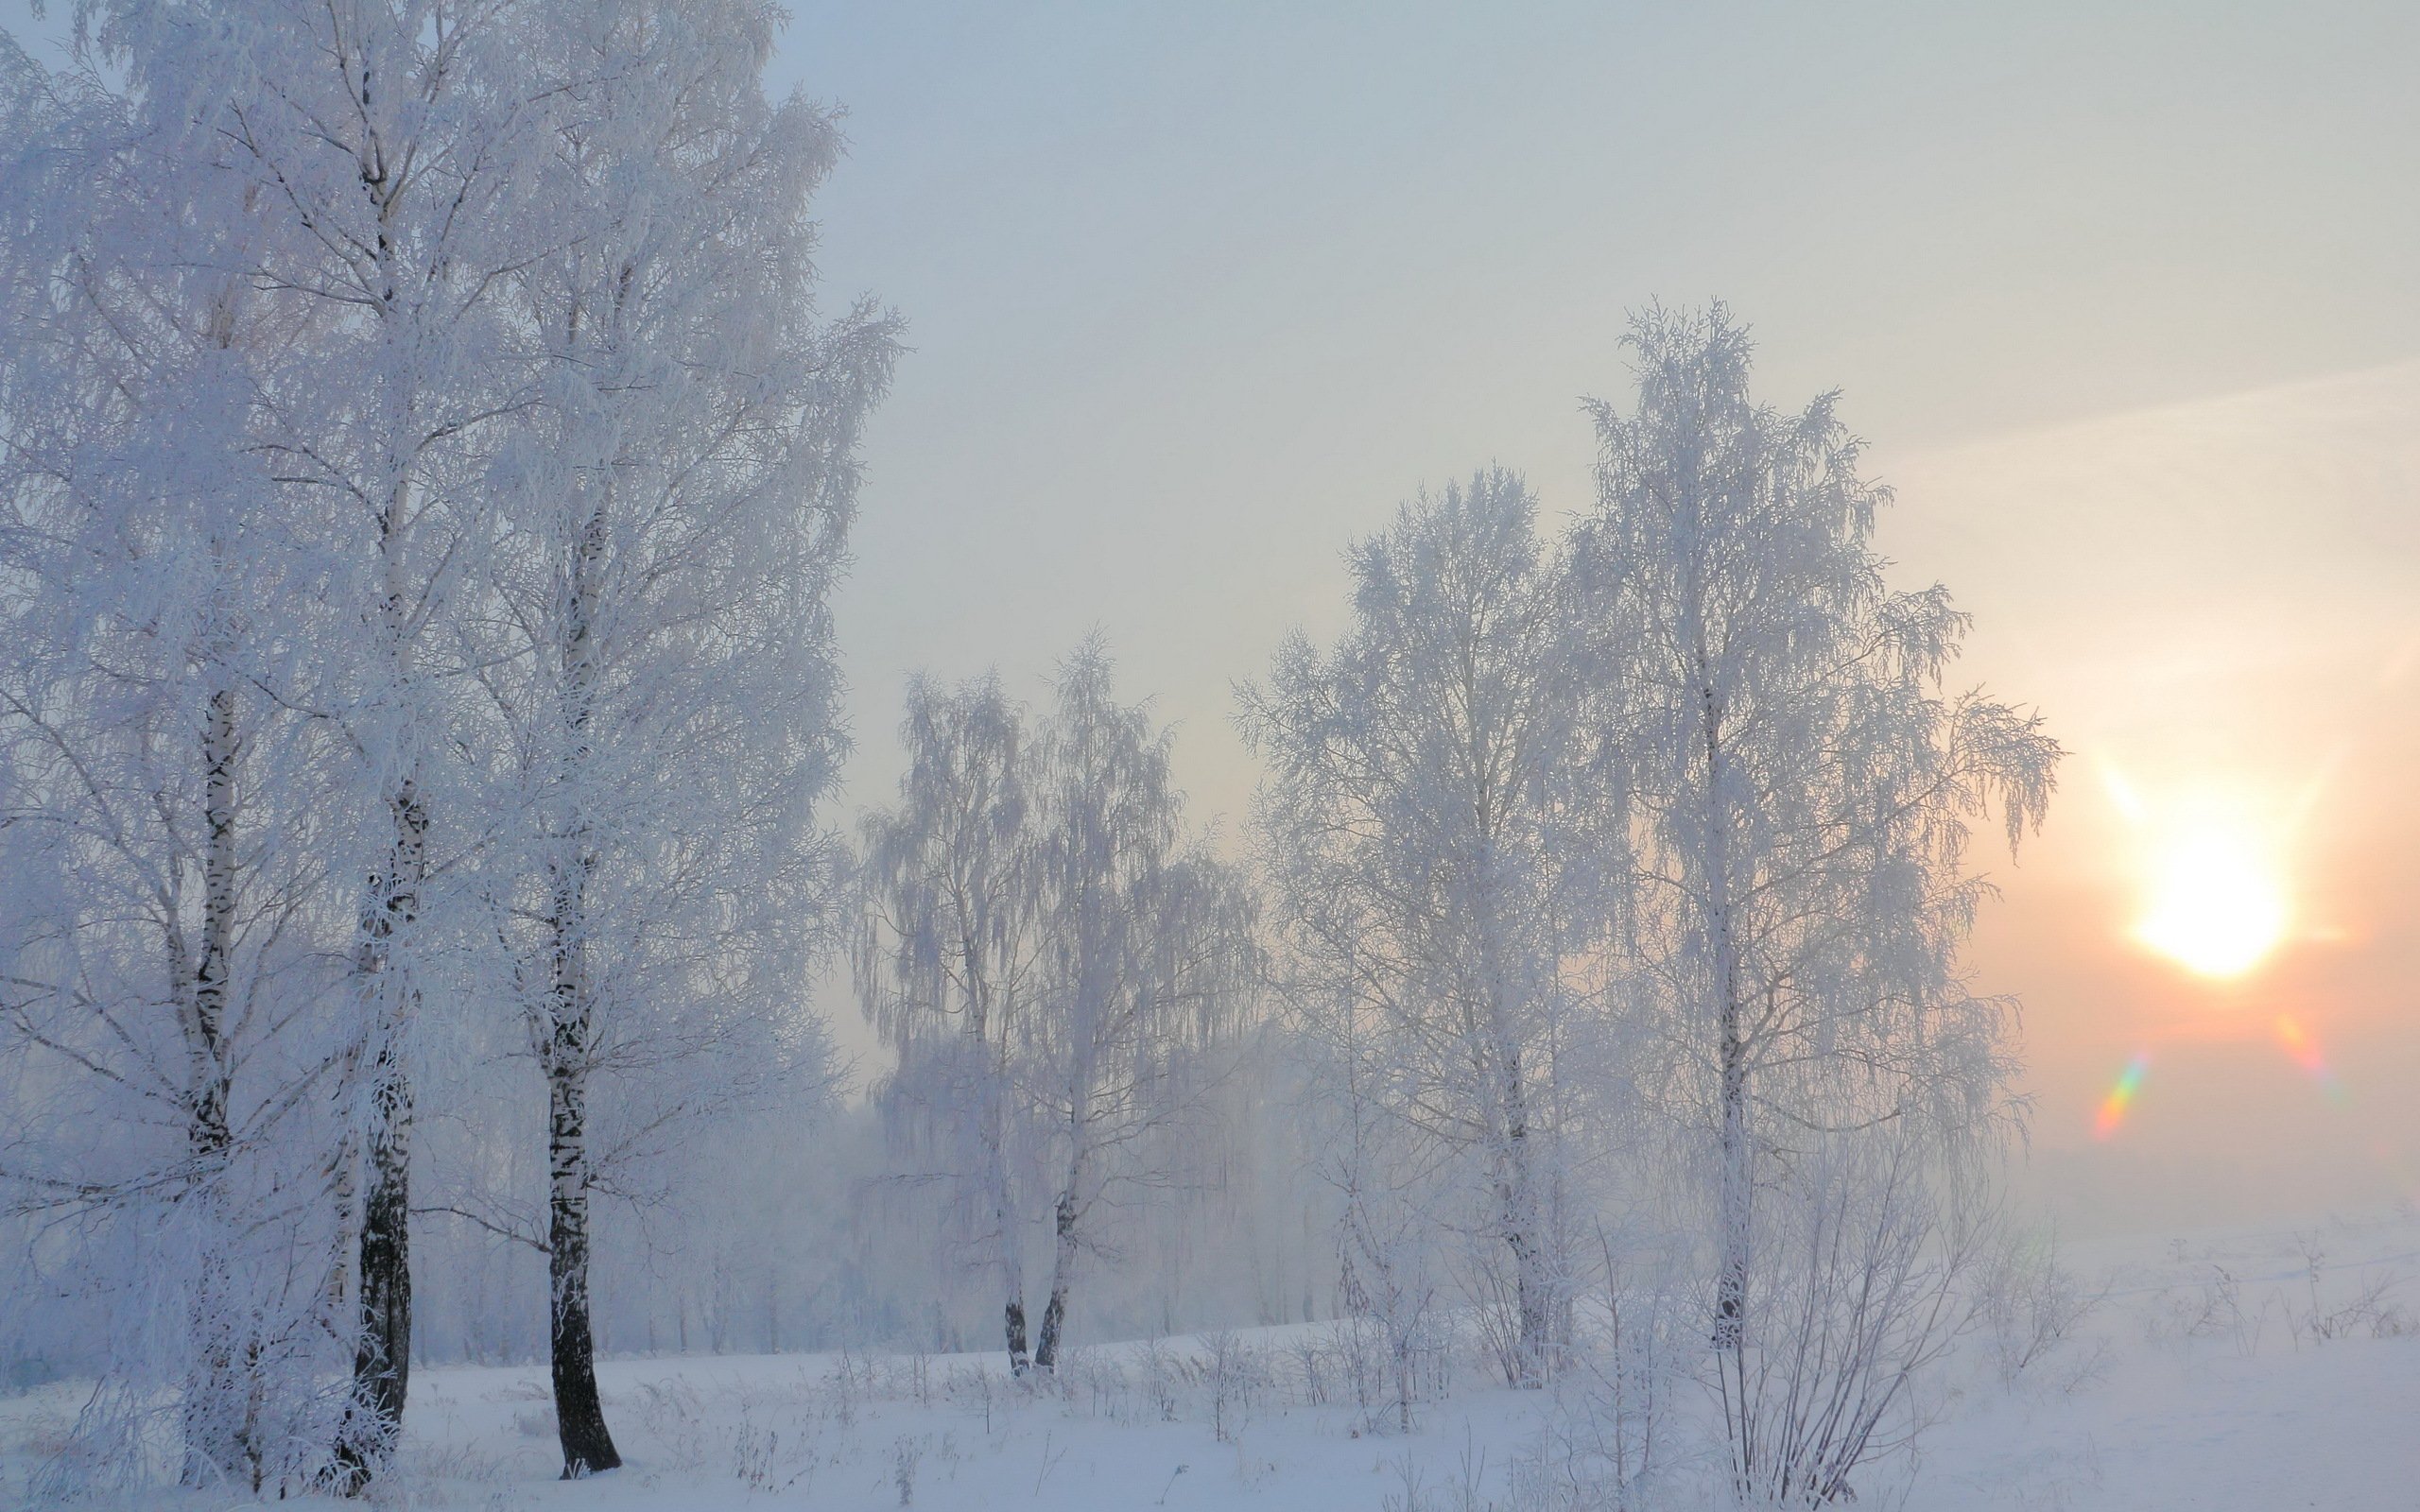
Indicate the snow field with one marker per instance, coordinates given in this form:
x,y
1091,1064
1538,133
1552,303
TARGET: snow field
x,y
2229,1372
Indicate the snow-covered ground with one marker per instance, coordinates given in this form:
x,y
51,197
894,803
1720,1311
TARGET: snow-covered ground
x,y
2234,1372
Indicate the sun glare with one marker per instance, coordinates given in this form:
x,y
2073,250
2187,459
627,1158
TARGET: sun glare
x,y
2217,907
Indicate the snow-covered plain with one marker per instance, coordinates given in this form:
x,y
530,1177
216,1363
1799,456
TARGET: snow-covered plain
x,y
2245,1371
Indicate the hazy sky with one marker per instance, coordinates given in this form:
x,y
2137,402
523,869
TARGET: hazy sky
x,y
1197,293
2127,299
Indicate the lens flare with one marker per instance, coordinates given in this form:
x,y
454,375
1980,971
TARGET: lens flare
x,y
2305,1052
2122,1097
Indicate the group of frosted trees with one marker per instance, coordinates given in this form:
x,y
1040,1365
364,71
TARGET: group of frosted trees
x,y
425,469
1616,884
1620,881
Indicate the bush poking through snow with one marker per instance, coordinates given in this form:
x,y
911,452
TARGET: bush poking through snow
x,y
1238,1377
1860,1288
2368,1313
2033,1309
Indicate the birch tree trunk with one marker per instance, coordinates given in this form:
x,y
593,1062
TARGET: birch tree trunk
x,y
1065,1214
1731,1272
1532,1286
1063,1270
579,1414
381,1354
996,1176
206,1034
1012,1259
216,1443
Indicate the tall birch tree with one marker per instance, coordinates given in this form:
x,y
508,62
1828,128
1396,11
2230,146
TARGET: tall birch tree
x,y
674,506
1795,790
163,817
945,963
1148,962
1408,819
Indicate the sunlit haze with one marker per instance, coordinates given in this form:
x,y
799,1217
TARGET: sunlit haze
x,y
2147,403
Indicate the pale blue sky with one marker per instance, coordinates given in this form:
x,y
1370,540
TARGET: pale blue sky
x,y
1199,292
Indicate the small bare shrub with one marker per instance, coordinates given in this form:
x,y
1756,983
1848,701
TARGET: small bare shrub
x,y
1861,1282
850,1382
761,1460
1238,1376
1604,1441
2212,1308
2368,1315
912,1377
2032,1308
1165,1374
1096,1376
1312,1355
1411,1481
670,1410
971,1386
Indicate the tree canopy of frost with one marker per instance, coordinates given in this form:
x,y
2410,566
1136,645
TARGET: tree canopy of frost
x,y
426,469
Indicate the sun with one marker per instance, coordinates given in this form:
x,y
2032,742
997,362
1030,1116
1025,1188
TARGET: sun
x,y
2216,906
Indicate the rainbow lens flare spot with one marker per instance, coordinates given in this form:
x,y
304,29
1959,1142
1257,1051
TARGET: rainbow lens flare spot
x,y
2305,1052
2114,1106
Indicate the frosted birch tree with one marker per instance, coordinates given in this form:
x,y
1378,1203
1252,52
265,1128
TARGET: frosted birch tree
x,y
1147,962
673,507
1795,791
162,817
1408,821
945,962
